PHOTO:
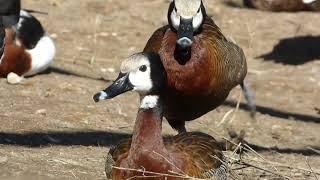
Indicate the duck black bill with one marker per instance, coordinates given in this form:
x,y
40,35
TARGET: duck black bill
x,y
119,86
185,33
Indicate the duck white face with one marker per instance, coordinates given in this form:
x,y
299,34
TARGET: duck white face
x,y
186,16
141,72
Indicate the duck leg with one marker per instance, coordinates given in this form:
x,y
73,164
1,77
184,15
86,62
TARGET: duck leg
x,y
248,94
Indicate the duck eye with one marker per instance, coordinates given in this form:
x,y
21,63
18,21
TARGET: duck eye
x,y
199,10
143,68
175,9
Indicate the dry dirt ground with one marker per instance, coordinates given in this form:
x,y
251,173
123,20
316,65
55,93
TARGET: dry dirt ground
x,y
52,129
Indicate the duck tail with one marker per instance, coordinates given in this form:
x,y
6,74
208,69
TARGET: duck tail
x,y
249,96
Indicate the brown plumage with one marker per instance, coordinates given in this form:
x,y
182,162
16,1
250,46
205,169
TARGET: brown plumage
x,y
192,154
15,58
283,5
201,81
28,49
189,154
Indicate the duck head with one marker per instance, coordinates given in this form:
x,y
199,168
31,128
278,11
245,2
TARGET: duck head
x,y
186,17
141,72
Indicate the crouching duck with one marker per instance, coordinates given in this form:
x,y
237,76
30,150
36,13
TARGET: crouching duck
x,y
147,154
28,48
284,5
201,64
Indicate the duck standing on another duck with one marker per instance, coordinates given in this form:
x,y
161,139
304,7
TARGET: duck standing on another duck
x,y
284,5
190,154
28,48
202,65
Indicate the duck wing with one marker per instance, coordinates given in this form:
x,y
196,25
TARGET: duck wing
x,y
228,59
203,153
118,151
155,41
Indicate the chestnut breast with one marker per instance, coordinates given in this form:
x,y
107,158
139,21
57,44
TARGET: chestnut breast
x,y
15,58
193,77
152,161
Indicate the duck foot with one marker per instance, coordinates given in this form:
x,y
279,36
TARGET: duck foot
x,y
13,78
235,140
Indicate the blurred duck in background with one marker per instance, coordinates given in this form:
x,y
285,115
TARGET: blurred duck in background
x,y
28,49
284,5
9,16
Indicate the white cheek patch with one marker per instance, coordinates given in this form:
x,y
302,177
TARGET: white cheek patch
x,y
197,20
141,81
308,1
149,102
175,19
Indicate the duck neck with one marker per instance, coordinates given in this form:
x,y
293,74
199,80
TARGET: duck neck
x,y
148,125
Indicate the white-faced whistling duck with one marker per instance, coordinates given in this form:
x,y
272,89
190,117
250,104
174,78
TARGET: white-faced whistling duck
x,y
202,65
28,49
192,154
284,5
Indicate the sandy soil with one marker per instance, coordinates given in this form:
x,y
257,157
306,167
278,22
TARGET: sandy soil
x,y
52,129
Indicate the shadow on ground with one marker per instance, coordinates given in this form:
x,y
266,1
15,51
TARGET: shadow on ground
x,y
308,151
58,70
35,139
235,3
101,138
295,50
277,113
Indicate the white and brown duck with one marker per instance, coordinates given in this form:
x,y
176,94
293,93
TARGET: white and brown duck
x,y
28,48
147,154
284,5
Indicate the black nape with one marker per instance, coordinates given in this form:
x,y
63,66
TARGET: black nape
x,y
158,73
30,31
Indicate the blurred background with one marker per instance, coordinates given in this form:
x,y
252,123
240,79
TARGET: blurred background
x,y
51,128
